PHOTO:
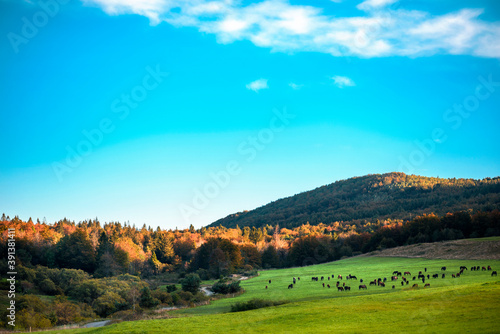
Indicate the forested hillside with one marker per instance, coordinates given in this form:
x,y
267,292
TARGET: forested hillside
x,y
371,198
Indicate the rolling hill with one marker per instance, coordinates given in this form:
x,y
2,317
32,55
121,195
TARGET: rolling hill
x,y
371,197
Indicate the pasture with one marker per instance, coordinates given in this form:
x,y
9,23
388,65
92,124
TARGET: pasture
x,y
471,300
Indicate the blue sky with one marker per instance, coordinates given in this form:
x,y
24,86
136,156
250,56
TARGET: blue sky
x,y
173,113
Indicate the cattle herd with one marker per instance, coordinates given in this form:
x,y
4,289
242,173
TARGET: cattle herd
x,y
403,277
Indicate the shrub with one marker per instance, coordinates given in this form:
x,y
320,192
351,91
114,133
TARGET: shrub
x,y
171,288
147,300
191,283
255,304
223,288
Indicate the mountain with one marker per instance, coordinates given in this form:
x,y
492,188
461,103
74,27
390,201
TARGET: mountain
x,y
371,197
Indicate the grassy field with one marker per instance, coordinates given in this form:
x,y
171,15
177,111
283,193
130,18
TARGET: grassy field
x,y
470,302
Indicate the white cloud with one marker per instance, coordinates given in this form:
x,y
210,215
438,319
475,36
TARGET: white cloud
x,y
276,24
295,86
257,85
342,82
373,4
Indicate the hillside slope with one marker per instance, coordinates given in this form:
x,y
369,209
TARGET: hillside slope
x,y
468,249
371,197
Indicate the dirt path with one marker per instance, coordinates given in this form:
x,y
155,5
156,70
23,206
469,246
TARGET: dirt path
x,y
457,249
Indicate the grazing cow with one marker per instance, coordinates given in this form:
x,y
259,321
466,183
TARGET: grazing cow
x,y
269,281
381,284
493,273
394,287
423,280
322,278
315,279
414,278
340,288
395,272
328,286
266,287
425,269
347,288
323,284
290,286
402,283
339,277
453,275
420,273
373,283
298,278
435,276
294,281
343,284
489,267
385,279
361,281
362,286
427,285
407,273
483,268
414,286
463,268
404,279
428,276
443,268
407,282
399,274
338,283
442,276
328,277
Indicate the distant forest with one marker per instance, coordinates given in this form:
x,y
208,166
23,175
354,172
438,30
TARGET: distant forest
x,y
372,197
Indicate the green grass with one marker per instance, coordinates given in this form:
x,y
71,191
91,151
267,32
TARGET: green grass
x,y
471,300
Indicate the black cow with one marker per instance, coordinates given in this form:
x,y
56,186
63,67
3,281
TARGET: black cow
x,y
362,286
493,273
443,268
290,286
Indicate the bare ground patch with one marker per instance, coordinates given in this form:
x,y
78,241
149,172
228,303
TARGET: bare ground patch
x,y
448,250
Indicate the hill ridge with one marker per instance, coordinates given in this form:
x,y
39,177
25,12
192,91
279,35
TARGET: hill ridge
x,y
393,195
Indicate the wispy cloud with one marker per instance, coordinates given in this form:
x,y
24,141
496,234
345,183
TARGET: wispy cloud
x,y
257,85
295,86
372,4
378,31
342,82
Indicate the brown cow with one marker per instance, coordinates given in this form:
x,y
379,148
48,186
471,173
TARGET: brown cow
x,y
340,288
362,286
266,287
414,286
427,285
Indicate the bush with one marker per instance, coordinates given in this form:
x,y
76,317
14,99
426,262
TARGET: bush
x,y
255,304
147,300
163,296
171,288
191,283
224,289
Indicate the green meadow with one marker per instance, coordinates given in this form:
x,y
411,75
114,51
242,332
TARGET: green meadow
x,y
470,302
